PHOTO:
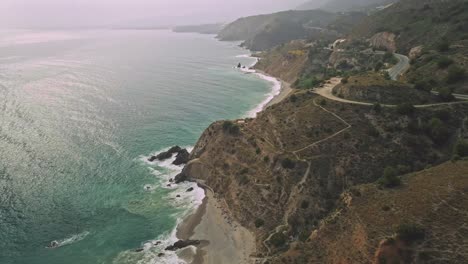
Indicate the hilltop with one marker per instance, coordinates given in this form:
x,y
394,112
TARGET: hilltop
x,y
345,5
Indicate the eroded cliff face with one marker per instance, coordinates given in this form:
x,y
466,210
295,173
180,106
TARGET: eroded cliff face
x,y
384,40
286,62
282,173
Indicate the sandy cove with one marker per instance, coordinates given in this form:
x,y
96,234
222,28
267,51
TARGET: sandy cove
x,y
223,239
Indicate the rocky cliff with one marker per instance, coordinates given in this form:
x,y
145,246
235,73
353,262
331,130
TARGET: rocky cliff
x,y
284,172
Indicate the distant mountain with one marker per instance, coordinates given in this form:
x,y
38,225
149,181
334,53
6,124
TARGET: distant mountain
x,y
202,29
344,5
312,4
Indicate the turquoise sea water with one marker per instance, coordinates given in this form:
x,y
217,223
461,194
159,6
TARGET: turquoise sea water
x,y
79,113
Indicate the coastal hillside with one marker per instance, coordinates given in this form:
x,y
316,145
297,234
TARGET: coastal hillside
x,y
422,221
432,33
283,173
266,31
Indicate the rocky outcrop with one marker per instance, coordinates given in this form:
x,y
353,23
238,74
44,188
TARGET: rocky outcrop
x,y
182,157
415,52
183,244
384,40
166,154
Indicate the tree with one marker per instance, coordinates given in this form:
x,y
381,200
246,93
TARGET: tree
x,y
405,109
461,149
259,223
455,74
287,163
444,62
443,46
378,66
390,178
423,85
377,108
445,94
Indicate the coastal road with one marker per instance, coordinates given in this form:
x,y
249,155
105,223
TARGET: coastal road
x,y
402,66
327,92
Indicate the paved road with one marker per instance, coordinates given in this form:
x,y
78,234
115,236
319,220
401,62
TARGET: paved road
x,y
327,92
402,66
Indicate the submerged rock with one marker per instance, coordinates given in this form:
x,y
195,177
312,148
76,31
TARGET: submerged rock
x,y
139,250
183,244
182,157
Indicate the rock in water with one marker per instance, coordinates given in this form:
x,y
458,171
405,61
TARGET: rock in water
x,y
182,157
190,189
165,155
183,244
181,177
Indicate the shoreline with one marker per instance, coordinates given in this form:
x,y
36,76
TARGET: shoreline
x,y
223,240
279,91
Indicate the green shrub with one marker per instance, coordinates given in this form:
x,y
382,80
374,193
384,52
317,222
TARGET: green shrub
x,y
278,239
390,178
461,149
405,109
266,159
444,62
422,86
231,128
323,102
304,204
378,66
437,130
293,98
287,163
410,232
259,223
377,108
445,94
443,46
455,74
344,80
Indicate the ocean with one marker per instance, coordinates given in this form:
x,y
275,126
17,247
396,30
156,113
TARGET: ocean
x,y
81,111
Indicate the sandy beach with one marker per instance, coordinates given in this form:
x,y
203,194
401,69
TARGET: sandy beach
x,y
223,239
285,91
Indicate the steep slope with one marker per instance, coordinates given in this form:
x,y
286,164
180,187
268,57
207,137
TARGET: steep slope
x,y
283,172
418,22
424,221
432,33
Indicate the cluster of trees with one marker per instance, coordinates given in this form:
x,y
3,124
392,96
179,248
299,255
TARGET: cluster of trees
x,y
231,128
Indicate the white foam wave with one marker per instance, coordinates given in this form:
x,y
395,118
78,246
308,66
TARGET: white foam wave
x,y
70,240
276,86
179,197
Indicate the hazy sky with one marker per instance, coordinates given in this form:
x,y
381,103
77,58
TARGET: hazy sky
x,y
65,13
